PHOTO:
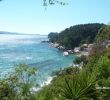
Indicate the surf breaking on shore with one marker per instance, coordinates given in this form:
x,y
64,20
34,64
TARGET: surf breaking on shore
x,y
47,82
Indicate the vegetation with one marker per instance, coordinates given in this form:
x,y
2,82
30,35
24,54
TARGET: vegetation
x,y
103,34
17,85
77,35
72,84
53,37
92,82
87,84
81,59
80,87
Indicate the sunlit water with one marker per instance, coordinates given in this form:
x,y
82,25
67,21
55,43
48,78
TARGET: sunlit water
x,y
28,49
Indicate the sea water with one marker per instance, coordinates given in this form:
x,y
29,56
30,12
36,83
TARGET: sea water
x,y
28,49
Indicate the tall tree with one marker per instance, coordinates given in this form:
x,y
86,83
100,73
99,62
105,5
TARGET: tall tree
x,y
103,34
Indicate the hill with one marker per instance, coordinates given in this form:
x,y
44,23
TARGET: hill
x,y
76,35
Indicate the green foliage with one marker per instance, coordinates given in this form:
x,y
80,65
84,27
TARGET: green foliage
x,y
103,67
68,71
95,53
77,60
81,87
69,86
24,75
100,66
17,85
71,83
97,50
53,91
81,59
78,34
74,84
7,91
103,34
53,37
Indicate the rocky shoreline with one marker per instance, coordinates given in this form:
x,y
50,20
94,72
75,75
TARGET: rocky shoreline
x,y
84,49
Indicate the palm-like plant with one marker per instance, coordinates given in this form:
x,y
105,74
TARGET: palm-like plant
x,y
81,87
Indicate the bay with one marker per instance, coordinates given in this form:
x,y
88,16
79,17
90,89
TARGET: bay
x,y
28,49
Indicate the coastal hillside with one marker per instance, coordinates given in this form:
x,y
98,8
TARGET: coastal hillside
x,y
89,82
54,50
76,35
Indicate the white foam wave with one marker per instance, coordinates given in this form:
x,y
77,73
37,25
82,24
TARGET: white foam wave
x,y
47,82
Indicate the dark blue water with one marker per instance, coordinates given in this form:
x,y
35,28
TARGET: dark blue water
x,y
28,49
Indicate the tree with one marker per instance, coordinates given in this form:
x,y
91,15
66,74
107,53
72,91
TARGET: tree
x,y
18,84
7,91
53,36
97,50
103,34
78,34
102,72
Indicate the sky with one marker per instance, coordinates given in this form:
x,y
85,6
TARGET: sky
x,y
31,17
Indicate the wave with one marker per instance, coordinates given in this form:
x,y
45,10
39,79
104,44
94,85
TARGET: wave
x,y
47,82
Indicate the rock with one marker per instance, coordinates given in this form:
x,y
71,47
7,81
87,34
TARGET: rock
x,y
77,49
65,53
44,41
70,51
56,45
61,48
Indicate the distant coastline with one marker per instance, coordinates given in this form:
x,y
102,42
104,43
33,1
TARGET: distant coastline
x,y
16,33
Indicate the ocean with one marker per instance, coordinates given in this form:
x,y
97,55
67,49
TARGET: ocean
x,y
28,49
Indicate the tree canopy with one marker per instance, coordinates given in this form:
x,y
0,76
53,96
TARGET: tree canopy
x,y
78,34
53,36
103,34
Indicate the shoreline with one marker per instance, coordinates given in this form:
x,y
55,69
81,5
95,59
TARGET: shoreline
x,y
48,81
82,50
45,83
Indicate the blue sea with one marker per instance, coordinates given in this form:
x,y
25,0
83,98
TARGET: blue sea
x,y
28,49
